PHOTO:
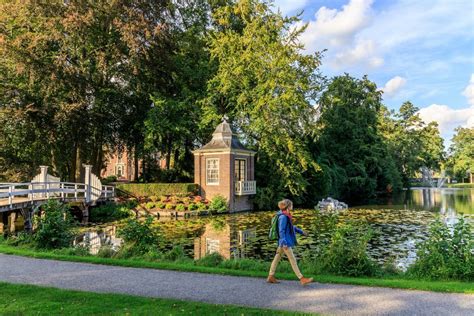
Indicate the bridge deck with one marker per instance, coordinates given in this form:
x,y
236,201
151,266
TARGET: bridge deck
x,y
19,196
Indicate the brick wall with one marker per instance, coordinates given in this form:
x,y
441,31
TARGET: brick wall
x,y
226,185
225,177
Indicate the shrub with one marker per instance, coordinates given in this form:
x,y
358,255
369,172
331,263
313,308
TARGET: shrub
x,y
131,203
218,204
160,205
266,197
109,212
211,260
138,236
54,227
153,198
108,180
169,206
192,207
446,254
21,238
201,206
164,198
174,199
186,200
150,205
180,208
158,189
106,252
175,254
346,253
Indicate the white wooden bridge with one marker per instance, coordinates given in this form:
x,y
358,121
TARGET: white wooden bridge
x,y
19,196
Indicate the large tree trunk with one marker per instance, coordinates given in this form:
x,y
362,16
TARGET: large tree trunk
x,y
97,159
78,165
72,169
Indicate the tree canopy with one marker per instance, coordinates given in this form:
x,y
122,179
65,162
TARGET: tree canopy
x,y
82,79
461,160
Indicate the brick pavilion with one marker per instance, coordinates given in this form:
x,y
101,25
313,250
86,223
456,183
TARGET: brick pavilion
x,y
225,167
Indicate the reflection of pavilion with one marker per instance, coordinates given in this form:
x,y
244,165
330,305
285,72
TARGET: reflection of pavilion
x,y
226,239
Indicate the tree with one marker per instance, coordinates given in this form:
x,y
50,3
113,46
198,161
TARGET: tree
x,y
77,76
267,86
461,160
413,143
172,124
350,145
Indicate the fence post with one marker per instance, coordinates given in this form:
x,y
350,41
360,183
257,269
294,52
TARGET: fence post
x,y
10,196
88,182
44,178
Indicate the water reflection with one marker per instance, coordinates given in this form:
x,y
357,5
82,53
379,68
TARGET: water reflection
x,y
226,239
448,201
399,224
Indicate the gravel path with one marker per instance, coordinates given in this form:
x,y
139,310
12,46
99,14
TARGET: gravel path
x,y
328,299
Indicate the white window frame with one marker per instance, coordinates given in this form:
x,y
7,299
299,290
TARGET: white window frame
x,y
207,171
241,172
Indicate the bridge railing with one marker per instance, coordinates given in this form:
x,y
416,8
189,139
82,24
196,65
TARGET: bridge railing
x,y
108,191
31,191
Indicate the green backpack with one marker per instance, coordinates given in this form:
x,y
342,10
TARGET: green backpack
x,y
273,233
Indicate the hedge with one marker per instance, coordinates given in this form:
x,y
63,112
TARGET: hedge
x,y
461,185
158,189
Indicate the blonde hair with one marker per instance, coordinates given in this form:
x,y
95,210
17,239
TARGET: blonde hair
x,y
285,204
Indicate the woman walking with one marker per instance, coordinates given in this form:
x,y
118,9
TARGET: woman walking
x,y
286,242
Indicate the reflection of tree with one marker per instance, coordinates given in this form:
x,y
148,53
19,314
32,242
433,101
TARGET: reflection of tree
x,y
218,223
443,200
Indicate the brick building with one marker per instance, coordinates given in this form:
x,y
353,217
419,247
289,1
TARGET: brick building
x,y
122,165
225,167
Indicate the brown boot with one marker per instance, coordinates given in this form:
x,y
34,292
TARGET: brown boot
x,y
271,279
305,281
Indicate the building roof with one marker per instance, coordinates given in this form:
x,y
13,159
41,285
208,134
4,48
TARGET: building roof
x,y
223,139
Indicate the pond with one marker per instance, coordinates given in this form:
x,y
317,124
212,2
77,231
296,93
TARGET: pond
x,y
399,223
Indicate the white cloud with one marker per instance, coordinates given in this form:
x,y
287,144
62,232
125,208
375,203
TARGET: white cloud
x,y
335,28
393,85
469,91
447,117
290,6
399,34
362,53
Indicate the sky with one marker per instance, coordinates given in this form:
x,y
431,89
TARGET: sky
x,y
420,51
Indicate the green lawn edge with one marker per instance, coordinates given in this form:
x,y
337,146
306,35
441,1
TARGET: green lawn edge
x,y
391,282
21,299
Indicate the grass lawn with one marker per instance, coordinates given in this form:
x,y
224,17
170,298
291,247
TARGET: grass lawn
x,y
34,300
392,282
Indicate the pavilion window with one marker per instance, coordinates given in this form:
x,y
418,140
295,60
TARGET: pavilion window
x,y
240,171
212,171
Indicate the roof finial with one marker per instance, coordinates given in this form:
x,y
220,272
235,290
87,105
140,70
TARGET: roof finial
x,y
225,118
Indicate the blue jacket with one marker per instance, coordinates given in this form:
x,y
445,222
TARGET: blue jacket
x,y
286,231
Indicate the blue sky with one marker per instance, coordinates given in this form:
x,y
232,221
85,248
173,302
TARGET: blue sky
x,y
415,50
